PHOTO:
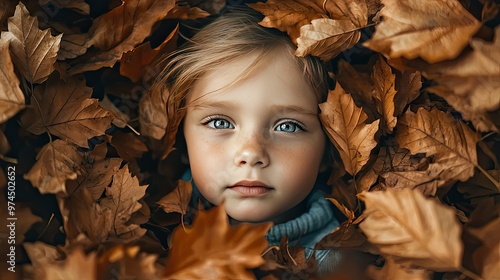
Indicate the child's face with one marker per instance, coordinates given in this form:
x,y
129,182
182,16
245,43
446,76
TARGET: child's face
x,y
258,144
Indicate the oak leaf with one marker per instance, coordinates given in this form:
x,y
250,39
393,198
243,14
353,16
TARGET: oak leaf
x,y
413,229
11,96
384,82
432,30
212,249
470,83
438,134
288,16
120,30
57,162
178,199
64,109
345,125
34,51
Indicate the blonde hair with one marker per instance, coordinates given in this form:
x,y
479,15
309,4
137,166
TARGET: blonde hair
x,y
233,35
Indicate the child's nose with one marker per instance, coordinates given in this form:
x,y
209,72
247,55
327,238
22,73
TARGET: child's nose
x,y
252,151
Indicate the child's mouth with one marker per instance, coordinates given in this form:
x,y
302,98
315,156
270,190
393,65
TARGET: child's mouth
x,y
250,188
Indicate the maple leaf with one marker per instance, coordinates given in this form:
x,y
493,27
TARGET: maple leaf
x,y
470,83
415,230
57,162
213,249
120,30
122,201
133,63
288,16
64,109
178,199
384,92
11,96
34,51
77,265
437,134
432,30
326,38
345,124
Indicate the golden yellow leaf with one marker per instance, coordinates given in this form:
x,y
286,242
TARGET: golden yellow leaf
x,y
34,51
57,162
11,96
430,29
120,30
212,249
437,134
64,109
470,83
178,199
345,124
289,15
413,229
384,91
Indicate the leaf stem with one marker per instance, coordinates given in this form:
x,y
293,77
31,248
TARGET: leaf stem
x,y
488,175
8,159
469,273
41,114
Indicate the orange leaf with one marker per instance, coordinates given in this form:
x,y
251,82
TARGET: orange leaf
x,y
384,91
345,124
57,162
289,15
470,83
64,109
34,51
120,30
432,30
437,134
178,199
125,262
11,96
413,229
213,249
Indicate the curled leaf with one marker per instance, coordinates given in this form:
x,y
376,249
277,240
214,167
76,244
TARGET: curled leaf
x,y
11,96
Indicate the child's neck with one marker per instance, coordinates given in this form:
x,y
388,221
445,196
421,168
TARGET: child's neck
x,y
290,214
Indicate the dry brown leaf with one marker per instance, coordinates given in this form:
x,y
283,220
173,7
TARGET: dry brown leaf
x,y
122,201
78,6
347,235
57,162
186,12
214,7
178,199
289,15
432,30
7,8
76,266
438,134
489,253
121,119
213,249
4,143
11,96
153,116
127,262
426,181
408,84
470,83
413,229
120,30
34,51
41,254
392,270
128,145
135,63
384,92
345,124
64,109
73,45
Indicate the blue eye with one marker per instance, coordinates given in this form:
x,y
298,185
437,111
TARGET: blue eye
x,y
289,127
219,124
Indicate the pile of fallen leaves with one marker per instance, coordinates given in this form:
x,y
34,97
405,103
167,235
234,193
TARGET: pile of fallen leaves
x,y
414,117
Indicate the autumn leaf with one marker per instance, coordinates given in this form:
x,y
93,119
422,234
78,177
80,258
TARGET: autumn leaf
x,y
11,96
384,92
73,45
120,30
437,134
57,162
78,6
77,265
34,51
470,83
128,145
326,38
408,84
134,63
153,116
214,7
7,8
124,262
213,249
178,199
122,201
64,109
288,16
432,30
344,122
393,270
187,12
415,230
489,253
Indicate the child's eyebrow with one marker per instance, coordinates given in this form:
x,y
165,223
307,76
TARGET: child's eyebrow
x,y
293,109
279,109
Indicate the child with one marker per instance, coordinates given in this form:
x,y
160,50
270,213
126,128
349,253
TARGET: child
x,y
251,128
